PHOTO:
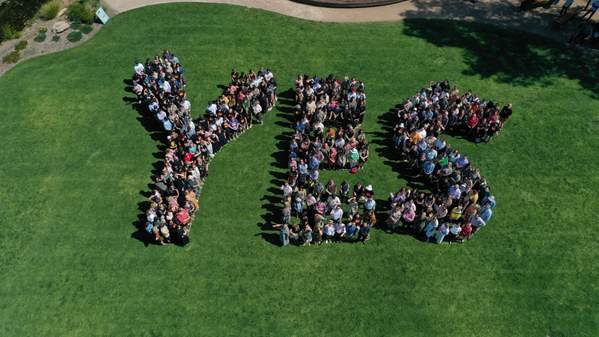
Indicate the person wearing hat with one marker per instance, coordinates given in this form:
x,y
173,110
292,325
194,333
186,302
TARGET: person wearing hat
x,y
354,158
369,202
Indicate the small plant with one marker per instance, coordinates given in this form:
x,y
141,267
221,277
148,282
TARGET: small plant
x,y
75,25
86,29
8,33
43,30
56,38
11,57
21,45
50,10
74,36
41,37
78,12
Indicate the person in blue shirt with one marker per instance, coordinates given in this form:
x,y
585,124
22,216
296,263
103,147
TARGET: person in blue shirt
x,y
486,213
364,232
428,167
300,127
350,231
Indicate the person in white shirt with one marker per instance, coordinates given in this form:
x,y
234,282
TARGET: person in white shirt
x,y
333,201
166,87
454,233
329,231
336,213
287,190
257,111
339,231
211,109
139,68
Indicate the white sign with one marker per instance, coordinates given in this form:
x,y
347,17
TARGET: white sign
x,y
101,14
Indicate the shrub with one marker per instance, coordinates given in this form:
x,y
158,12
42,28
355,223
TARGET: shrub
x,y
78,12
7,33
74,36
50,10
86,29
75,25
11,57
56,38
21,45
14,14
41,37
91,3
43,30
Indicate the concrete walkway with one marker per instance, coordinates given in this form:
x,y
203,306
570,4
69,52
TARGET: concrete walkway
x,y
503,13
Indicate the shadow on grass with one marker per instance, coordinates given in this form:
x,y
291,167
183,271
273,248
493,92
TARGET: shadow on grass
x,y
272,197
387,151
156,132
509,56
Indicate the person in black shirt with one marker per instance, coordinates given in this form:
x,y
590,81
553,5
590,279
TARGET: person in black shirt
x,y
505,113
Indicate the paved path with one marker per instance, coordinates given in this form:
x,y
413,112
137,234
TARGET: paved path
x,y
499,12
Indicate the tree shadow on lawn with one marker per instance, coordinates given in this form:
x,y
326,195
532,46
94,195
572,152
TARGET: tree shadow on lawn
x,y
510,56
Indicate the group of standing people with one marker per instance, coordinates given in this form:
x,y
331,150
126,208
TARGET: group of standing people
x,y
461,202
327,134
327,113
321,217
159,84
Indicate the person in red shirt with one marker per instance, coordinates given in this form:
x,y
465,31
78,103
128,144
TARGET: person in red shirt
x,y
472,121
466,231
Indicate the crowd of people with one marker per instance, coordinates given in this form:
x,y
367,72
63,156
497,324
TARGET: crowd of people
x,y
441,108
320,215
159,84
461,202
328,114
327,134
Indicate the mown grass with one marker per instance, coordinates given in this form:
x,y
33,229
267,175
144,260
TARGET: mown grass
x,y
75,158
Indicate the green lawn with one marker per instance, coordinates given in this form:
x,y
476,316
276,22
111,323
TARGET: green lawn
x,y
75,158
